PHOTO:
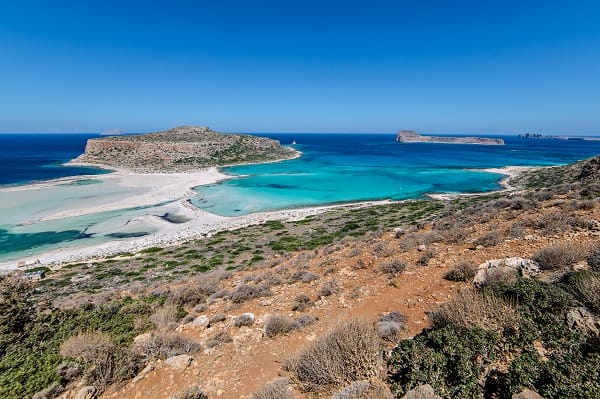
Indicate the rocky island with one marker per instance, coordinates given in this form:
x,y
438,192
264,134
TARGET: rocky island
x,y
181,149
410,136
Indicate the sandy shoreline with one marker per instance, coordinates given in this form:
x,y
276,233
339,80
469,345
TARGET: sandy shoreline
x,y
509,172
176,188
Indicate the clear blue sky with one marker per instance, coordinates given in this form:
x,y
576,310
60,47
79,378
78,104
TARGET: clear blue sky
x,y
293,66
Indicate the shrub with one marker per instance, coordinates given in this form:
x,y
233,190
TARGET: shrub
x,y
393,267
593,260
364,390
348,353
587,286
192,393
279,325
245,319
277,389
305,320
328,288
558,256
450,360
474,309
490,239
390,325
50,392
165,318
161,345
463,271
14,303
247,292
69,370
218,339
302,302
217,318
106,362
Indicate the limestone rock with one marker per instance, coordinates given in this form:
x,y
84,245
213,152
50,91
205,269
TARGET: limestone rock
x,y
88,392
583,320
143,373
421,392
180,362
527,394
525,267
201,322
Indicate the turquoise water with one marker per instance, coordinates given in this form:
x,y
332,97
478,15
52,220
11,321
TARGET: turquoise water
x,y
333,169
338,168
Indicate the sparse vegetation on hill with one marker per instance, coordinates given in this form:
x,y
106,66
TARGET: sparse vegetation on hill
x,y
180,149
211,313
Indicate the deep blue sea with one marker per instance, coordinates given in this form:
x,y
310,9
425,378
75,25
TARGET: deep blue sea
x,y
33,157
333,168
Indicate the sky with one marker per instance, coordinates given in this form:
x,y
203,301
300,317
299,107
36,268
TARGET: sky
x,y
301,66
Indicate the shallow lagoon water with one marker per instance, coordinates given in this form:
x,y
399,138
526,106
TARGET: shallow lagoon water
x,y
333,169
338,168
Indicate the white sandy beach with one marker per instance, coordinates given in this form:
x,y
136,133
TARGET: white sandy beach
x,y
508,171
148,189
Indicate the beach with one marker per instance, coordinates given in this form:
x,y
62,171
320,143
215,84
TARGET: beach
x,y
161,193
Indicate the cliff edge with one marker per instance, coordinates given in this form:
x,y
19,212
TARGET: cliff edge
x,y
181,149
410,136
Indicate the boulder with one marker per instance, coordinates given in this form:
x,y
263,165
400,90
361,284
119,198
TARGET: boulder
x,y
180,362
201,322
583,320
88,392
421,392
516,265
527,394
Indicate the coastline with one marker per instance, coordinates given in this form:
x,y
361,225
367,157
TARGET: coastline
x,y
509,173
201,224
176,189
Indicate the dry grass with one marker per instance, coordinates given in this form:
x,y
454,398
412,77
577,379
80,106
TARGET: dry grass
x,y
588,288
463,271
165,318
471,308
364,390
277,389
106,362
348,353
279,325
389,326
560,256
192,393
302,302
393,267
162,344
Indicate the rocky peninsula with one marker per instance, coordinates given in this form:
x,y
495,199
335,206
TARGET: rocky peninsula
x,y
410,136
182,149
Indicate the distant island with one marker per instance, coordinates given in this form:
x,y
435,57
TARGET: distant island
x,y
181,149
410,136
538,136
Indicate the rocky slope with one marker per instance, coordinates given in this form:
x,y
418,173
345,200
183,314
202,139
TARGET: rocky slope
x,y
180,149
489,297
410,136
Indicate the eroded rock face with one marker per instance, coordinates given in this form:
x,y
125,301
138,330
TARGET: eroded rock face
x,y
583,320
516,266
181,149
421,392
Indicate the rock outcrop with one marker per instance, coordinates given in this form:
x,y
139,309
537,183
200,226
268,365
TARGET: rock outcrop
x,y
410,136
181,149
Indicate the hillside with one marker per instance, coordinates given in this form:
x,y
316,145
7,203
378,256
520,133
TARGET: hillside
x,y
181,149
481,296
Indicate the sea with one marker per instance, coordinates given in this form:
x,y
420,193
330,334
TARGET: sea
x,y
333,168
